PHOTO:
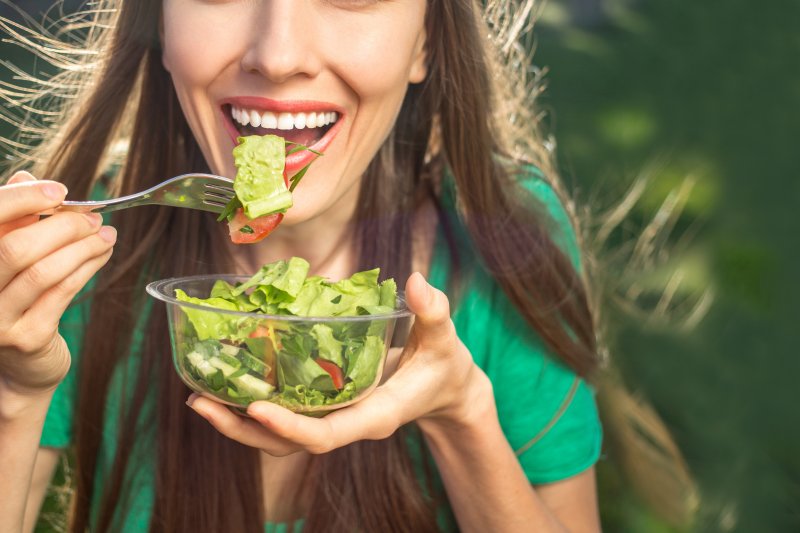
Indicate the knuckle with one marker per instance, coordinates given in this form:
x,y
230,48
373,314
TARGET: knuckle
x,y
12,254
386,431
78,224
26,344
35,275
319,448
443,302
69,285
278,451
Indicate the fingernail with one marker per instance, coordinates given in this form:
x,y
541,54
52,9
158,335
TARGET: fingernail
x,y
21,177
428,289
94,218
191,399
54,191
108,234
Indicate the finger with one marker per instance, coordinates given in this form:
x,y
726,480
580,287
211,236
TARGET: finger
x,y
243,430
375,417
432,324
29,197
21,222
26,246
46,312
36,327
24,289
19,177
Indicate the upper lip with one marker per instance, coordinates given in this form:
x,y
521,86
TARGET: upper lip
x,y
281,106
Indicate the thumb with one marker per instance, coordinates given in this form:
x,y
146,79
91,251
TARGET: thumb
x,y
431,309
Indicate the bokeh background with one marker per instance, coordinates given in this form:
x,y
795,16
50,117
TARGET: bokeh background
x,y
659,92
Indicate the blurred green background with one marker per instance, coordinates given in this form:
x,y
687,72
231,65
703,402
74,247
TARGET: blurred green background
x,y
707,89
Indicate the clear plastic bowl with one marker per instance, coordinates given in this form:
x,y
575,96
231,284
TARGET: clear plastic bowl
x,y
274,357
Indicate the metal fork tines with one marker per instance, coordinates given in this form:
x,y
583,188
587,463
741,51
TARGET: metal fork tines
x,y
195,191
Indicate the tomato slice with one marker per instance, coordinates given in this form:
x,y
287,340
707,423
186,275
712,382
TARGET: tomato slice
x,y
334,371
261,226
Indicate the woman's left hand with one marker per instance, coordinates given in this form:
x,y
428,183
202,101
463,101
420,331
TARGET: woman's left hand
x,y
436,382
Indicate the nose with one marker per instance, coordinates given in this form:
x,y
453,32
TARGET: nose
x,y
282,42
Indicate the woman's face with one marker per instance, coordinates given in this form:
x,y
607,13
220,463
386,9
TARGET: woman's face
x,y
330,74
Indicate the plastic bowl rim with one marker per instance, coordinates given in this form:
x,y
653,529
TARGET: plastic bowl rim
x,y
154,289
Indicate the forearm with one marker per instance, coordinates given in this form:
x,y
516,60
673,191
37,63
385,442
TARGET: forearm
x,y
487,489
21,422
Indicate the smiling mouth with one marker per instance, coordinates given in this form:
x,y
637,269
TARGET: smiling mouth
x,y
306,128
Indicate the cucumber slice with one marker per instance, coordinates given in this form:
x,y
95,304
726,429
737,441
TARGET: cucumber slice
x,y
204,370
225,365
228,349
252,386
253,363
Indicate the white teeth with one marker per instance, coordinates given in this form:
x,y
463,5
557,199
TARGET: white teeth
x,y
255,119
269,120
283,121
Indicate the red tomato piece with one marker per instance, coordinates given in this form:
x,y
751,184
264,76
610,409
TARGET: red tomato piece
x,y
260,331
261,226
334,371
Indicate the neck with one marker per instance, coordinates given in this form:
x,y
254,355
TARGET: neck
x,y
325,241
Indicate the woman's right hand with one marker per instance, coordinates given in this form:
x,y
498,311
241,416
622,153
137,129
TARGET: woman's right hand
x,y
43,265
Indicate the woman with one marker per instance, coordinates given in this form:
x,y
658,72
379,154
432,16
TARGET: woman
x,y
484,425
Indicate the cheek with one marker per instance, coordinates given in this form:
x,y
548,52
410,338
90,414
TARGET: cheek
x,y
196,46
379,60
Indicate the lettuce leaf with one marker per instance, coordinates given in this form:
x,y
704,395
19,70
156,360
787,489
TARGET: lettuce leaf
x,y
328,347
259,184
208,324
293,371
363,364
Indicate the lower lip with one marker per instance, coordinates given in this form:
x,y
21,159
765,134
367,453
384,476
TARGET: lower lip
x,y
295,162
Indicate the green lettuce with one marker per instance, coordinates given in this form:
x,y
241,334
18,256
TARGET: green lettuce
x,y
364,362
328,347
207,324
259,183
235,355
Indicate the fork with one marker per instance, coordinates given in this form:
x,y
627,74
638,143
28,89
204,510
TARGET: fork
x,y
206,192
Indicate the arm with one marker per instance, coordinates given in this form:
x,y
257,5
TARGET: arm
x,y
488,490
21,421
43,264
43,470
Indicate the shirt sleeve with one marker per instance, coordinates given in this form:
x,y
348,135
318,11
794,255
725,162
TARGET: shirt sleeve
x,y
57,431
547,412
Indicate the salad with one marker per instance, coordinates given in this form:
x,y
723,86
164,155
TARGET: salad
x,y
263,189
293,362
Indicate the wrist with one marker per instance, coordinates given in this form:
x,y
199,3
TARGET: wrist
x,y
17,405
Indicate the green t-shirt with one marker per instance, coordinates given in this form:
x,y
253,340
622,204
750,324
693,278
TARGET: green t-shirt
x,y
547,413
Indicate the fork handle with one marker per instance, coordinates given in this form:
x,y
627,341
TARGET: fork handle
x,y
88,207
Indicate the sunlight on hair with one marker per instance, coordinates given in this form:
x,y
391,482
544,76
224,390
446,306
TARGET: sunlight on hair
x,y
39,104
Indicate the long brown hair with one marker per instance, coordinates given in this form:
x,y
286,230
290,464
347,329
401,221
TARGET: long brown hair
x,y
204,481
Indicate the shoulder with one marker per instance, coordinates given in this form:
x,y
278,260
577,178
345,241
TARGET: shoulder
x,y
547,412
552,207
